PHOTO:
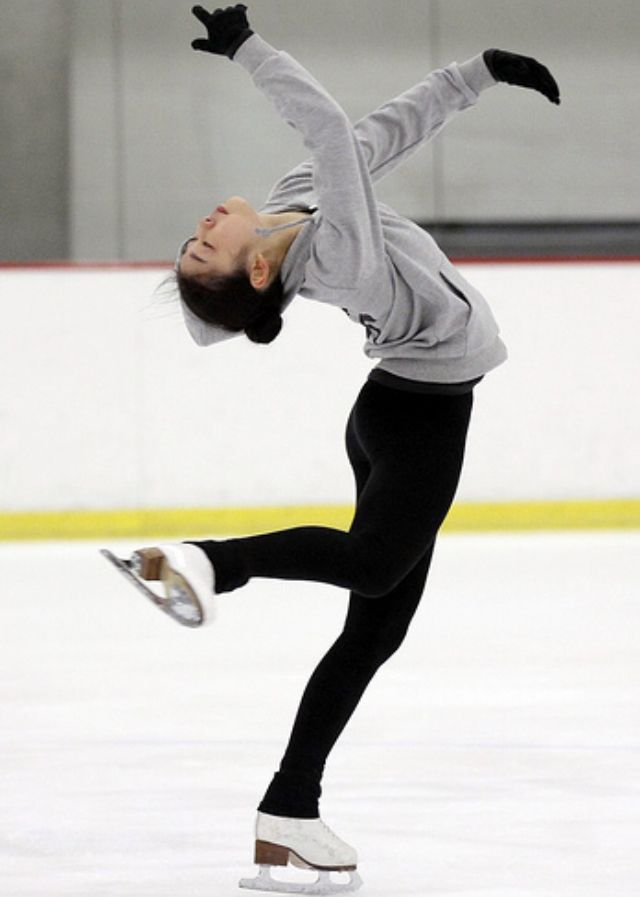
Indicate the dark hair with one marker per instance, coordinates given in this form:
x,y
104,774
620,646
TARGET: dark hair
x,y
231,302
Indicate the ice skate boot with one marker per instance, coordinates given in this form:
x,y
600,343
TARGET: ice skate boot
x,y
307,844
185,573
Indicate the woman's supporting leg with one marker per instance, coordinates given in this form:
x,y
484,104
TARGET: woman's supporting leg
x,y
373,631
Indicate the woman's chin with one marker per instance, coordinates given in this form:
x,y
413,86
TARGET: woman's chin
x,y
238,203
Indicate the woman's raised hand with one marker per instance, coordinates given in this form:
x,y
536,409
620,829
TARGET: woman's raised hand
x,y
522,71
227,29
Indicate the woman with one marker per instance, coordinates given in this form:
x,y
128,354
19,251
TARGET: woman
x,y
322,235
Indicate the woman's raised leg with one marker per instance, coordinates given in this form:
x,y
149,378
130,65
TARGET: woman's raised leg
x,y
414,446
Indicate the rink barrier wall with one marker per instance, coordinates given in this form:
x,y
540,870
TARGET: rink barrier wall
x,y
553,445
183,523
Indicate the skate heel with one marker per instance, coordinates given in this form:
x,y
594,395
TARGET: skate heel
x,y
147,563
270,854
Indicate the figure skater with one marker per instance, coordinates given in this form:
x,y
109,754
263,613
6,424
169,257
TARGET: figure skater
x,y
322,235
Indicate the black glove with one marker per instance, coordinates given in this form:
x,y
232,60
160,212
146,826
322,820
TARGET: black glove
x,y
522,71
227,28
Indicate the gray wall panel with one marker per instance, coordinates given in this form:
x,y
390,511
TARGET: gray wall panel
x,y
518,156
97,198
33,127
160,133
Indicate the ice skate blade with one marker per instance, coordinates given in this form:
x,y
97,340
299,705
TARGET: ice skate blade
x,y
180,604
323,884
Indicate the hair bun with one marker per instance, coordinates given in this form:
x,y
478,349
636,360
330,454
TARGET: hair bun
x,y
265,327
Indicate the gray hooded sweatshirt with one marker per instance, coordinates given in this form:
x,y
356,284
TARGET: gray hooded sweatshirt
x,y
423,320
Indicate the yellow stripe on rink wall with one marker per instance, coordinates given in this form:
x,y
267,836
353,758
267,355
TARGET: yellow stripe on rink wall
x,y
179,523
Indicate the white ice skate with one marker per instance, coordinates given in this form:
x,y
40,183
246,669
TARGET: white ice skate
x,y
307,844
185,573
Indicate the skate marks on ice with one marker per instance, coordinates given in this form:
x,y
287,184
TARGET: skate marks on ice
x,y
133,751
323,884
179,603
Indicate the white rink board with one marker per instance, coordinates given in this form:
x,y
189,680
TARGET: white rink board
x,y
105,401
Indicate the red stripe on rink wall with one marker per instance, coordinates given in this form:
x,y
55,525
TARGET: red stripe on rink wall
x,y
519,260
83,266
551,260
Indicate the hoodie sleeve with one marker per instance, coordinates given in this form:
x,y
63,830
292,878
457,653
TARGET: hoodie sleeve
x,y
394,131
398,128
348,244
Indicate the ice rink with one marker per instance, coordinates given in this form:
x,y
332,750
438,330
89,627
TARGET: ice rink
x,y
498,753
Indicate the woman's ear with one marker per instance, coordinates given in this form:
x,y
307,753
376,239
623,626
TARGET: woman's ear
x,y
260,273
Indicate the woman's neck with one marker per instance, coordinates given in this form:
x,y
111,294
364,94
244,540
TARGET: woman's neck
x,y
281,239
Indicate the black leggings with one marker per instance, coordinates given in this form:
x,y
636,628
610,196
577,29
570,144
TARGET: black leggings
x,y
406,450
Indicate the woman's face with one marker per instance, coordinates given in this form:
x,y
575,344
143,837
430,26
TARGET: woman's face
x,y
220,239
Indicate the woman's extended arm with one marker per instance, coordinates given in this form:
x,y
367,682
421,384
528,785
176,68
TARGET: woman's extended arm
x,y
395,130
348,246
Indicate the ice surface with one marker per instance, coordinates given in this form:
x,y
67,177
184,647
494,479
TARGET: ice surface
x,y
497,753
